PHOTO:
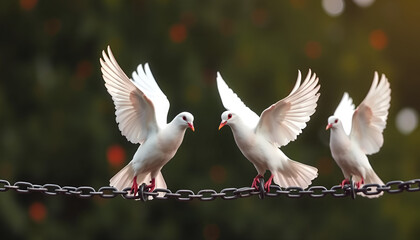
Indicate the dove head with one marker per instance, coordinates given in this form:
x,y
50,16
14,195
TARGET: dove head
x,y
228,118
333,122
186,120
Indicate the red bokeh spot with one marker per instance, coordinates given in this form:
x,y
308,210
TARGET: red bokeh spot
x,y
84,69
115,155
218,174
52,26
37,211
313,49
378,39
27,5
178,33
211,232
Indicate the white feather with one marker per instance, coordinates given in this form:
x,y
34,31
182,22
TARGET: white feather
x,y
259,139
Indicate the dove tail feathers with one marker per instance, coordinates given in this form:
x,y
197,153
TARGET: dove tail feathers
x,y
295,174
124,178
372,178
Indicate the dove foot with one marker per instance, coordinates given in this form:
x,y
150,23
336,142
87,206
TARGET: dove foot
x,y
135,187
268,183
151,186
256,181
344,182
358,184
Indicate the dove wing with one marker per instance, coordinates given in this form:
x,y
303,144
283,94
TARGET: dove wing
x,y
233,103
283,121
135,112
145,81
344,112
369,119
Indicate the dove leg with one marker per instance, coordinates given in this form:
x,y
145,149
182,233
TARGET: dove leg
x,y
256,181
152,185
344,182
135,187
268,183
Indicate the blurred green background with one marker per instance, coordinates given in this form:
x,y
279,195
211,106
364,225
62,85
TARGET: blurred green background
x,y
58,123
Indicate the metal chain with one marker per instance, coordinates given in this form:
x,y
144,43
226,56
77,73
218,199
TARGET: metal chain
x,y
209,194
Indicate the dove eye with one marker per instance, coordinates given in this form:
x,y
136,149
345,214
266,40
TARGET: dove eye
x,y
336,121
229,116
184,118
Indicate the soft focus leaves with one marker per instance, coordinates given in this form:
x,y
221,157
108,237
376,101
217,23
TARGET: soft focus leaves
x,y
58,122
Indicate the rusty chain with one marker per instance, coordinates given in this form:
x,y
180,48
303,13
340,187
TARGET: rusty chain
x,y
336,191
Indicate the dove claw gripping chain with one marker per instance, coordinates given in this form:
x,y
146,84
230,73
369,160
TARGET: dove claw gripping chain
x,y
337,191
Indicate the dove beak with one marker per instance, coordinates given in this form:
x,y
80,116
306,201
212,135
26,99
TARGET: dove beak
x,y
222,124
328,126
190,125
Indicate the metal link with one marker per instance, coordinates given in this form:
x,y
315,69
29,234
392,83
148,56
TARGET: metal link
x,y
414,189
5,184
209,194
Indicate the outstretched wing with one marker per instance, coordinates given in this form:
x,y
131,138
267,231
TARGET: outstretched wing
x,y
344,112
145,81
283,121
233,103
135,112
369,119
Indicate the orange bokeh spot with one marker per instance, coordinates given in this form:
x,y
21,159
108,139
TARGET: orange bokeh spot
x,y
218,174
37,212
28,5
178,33
260,17
297,3
211,232
115,155
378,39
313,49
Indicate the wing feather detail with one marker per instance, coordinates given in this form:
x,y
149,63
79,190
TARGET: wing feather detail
x,y
283,121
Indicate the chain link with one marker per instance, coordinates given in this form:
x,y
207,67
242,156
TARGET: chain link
x,y
336,191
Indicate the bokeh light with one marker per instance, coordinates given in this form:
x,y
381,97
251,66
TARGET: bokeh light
x,y
115,155
364,3
333,7
37,212
178,33
313,49
211,232
218,174
406,120
28,5
378,39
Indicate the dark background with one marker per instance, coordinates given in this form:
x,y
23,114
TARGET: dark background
x,y
58,123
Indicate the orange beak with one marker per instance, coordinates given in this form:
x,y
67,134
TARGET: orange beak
x,y
328,126
190,125
222,124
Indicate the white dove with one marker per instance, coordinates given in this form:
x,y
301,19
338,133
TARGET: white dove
x,y
259,138
355,133
141,113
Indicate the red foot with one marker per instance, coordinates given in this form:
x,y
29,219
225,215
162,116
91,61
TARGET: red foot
x,y
256,181
268,183
152,185
344,182
135,187
358,184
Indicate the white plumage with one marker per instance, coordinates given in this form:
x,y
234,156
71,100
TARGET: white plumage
x,y
259,138
356,133
141,110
